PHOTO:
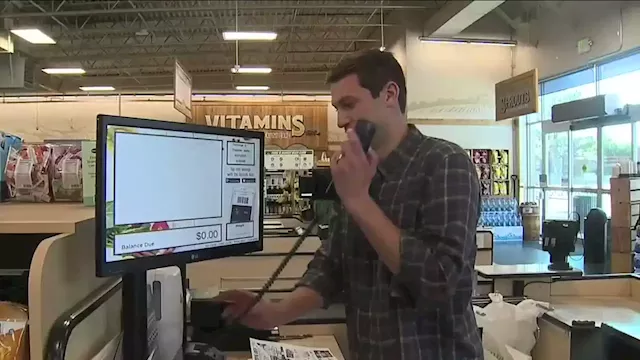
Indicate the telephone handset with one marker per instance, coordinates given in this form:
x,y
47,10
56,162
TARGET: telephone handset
x,y
365,131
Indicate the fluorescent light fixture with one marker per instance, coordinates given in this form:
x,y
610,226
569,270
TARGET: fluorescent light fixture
x,y
97,88
492,42
251,70
64,71
252,88
249,35
33,36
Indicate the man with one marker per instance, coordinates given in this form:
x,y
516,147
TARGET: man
x,y
402,249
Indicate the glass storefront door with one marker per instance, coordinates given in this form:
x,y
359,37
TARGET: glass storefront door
x,y
556,169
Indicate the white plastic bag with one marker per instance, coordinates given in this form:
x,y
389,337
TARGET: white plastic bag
x,y
509,331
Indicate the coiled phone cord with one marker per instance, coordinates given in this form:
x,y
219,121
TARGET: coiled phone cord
x,y
365,131
272,279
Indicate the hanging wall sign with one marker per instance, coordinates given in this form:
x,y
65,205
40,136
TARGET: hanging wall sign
x,y
182,90
517,96
286,125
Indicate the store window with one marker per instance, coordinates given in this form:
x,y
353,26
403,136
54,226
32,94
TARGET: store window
x,y
616,149
523,143
535,117
606,203
579,163
584,144
621,77
557,155
535,165
576,86
556,205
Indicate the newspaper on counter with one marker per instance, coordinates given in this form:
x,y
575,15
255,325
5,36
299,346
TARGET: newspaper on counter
x,y
268,350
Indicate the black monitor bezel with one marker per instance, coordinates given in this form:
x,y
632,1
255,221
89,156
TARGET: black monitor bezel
x,y
107,269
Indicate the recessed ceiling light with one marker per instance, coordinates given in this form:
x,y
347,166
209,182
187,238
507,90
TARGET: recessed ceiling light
x,y
252,88
97,88
249,35
251,70
64,71
33,36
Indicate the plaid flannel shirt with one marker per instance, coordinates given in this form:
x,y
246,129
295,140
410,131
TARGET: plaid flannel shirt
x,y
429,189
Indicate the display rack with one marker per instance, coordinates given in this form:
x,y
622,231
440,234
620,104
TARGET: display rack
x,y
282,171
492,166
502,216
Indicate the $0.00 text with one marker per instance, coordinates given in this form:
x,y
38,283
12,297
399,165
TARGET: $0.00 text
x,y
207,235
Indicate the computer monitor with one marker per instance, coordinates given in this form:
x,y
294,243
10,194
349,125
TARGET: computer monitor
x,y
169,194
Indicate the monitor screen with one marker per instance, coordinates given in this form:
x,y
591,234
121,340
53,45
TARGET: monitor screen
x,y
173,193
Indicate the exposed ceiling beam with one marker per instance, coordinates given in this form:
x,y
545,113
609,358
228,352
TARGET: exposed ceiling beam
x,y
139,10
513,24
197,68
456,16
102,31
206,84
83,46
114,56
232,78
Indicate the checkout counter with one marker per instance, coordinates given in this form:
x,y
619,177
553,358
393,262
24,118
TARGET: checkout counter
x,y
72,310
52,247
75,313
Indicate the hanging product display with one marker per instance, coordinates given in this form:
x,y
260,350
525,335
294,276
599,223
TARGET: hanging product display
x,y
492,167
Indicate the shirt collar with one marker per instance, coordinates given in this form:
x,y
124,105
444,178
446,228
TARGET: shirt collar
x,y
398,160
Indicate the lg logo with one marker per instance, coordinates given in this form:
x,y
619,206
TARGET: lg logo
x,y
194,257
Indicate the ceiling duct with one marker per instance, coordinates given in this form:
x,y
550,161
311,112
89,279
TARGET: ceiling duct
x,y
6,44
455,16
16,72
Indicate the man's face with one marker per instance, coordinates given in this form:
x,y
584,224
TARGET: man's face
x,y
353,102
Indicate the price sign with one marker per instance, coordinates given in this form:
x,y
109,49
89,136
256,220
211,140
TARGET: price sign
x,y
289,159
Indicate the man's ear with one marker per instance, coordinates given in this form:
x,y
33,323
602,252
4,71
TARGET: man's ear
x,y
391,92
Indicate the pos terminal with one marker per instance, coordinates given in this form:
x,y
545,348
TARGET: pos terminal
x,y
168,194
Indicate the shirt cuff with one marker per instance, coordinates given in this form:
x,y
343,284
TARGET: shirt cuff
x,y
319,283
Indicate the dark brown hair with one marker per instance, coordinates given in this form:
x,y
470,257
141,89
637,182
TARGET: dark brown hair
x,y
374,69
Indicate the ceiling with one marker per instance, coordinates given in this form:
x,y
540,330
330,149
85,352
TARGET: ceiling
x,y
131,45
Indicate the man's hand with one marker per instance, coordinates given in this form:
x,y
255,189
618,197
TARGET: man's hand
x,y
352,171
265,315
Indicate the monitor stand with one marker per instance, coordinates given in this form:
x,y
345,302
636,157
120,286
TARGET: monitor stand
x,y
558,262
134,316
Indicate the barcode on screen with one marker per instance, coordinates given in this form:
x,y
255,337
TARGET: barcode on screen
x,y
243,200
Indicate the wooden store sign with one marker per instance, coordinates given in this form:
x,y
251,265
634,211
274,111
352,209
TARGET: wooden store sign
x,y
284,124
517,96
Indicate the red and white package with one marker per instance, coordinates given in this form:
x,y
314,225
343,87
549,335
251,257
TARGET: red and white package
x,y
27,173
66,179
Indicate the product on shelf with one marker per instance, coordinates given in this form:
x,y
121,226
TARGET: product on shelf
x,y
480,156
66,179
7,142
502,215
27,173
13,331
492,167
499,211
485,189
